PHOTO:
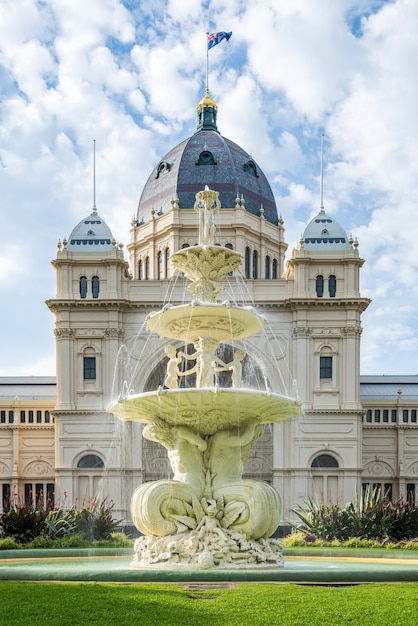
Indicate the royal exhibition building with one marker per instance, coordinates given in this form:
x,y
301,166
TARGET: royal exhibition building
x,y
60,443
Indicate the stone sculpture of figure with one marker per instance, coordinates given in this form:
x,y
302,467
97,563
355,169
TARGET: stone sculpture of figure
x,y
172,371
206,362
236,368
228,451
210,525
207,205
184,449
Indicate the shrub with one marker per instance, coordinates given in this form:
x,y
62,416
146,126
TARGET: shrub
x,y
370,517
8,543
23,522
95,521
59,523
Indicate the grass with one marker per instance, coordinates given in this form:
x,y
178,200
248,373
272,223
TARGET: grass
x,y
70,604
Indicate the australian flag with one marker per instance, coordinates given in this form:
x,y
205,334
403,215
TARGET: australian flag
x,y
216,38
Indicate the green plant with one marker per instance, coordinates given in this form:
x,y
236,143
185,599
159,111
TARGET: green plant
x,y
370,517
8,543
60,522
23,522
95,521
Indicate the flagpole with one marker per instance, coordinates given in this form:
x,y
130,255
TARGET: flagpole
x,y
207,61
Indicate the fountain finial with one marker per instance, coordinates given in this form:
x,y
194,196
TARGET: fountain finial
x,y
207,205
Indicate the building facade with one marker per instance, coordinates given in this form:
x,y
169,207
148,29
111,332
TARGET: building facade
x,y
310,348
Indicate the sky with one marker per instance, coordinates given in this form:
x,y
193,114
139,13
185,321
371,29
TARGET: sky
x,y
129,74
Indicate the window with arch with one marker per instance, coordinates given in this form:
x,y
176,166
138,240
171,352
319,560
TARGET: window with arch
x,y
160,265
90,461
230,247
332,286
147,268
185,245
167,262
325,461
247,262
274,269
255,264
319,286
140,270
95,286
83,287
267,267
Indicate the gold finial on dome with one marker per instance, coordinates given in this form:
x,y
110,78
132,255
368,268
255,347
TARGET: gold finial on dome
x,y
207,101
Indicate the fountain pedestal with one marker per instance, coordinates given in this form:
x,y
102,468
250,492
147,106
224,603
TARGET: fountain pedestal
x,y
207,516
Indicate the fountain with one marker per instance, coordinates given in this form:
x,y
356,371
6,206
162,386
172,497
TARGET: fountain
x,y
208,516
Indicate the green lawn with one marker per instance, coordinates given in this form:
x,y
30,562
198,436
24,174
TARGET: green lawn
x,y
79,604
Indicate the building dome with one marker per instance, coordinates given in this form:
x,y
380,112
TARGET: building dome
x,y
324,233
91,235
207,158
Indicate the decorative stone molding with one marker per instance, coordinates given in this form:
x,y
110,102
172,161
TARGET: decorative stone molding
x,y
301,331
352,331
64,333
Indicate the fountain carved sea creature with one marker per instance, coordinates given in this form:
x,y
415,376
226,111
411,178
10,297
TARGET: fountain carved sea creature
x,y
207,515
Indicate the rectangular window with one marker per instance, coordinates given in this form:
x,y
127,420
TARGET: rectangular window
x,y
377,415
22,417
47,417
405,416
50,495
325,367
414,416
11,417
30,417
89,368
393,416
6,497
388,491
385,416
410,493
2,417
28,494
39,417
369,416
39,494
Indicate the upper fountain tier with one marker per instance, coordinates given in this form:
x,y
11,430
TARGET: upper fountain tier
x,y
206,266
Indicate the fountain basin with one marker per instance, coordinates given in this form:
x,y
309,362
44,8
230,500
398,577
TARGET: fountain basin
x,y
218,321
206,410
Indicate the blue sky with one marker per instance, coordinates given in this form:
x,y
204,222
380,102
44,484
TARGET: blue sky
x,y
129,75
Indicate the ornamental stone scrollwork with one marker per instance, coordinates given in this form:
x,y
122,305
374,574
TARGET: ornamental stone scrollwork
x,y
114,333
378,468
301,331
352,331
64,333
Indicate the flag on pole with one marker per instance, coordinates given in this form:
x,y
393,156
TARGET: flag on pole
x,y
216,38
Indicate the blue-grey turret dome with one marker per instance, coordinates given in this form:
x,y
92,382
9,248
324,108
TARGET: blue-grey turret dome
x,y
209,159
91,235
324,233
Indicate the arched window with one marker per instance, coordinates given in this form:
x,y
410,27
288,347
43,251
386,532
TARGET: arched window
x,y
185,245
255,264
274,269
267,267
247,262
319,286
147,268
332,286
230,247
160,265
167,262
324,460
83,287
95,286
90,461
140,271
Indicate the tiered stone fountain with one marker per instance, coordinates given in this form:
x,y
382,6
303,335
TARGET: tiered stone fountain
x,y
207,516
